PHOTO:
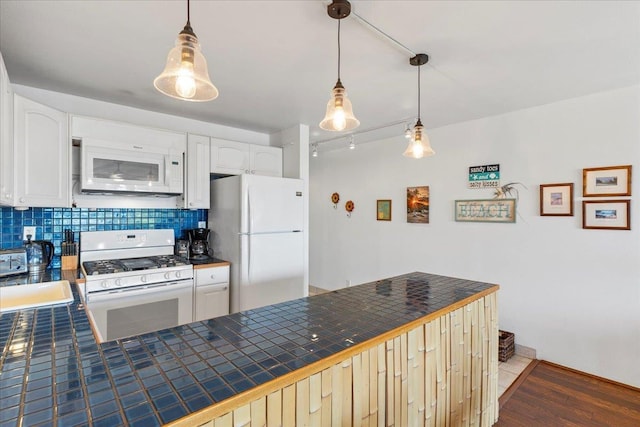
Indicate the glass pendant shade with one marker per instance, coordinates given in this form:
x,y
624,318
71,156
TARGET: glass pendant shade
x,y
419,145
186,75
339,114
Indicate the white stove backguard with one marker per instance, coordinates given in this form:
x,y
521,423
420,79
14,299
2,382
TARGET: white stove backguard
x,y
117,244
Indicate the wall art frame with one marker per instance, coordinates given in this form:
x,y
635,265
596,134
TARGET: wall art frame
x,y
418,205
606,214
556,199
485,210
608,181
383,210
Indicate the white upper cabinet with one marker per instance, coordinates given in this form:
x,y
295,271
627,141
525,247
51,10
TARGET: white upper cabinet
x,y
229,157
196,195
126,133
236,158
41,155
6,137
265,160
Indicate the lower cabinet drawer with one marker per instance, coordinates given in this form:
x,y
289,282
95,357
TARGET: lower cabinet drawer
x,y
208,276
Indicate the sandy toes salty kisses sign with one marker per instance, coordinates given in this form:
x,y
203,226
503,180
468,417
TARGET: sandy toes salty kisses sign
x,y
484,176
486,210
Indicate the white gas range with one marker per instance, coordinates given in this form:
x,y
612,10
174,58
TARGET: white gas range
x,y
133,282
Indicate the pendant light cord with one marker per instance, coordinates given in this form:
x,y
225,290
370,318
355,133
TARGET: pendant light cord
x,y
419,91
188,13
339,49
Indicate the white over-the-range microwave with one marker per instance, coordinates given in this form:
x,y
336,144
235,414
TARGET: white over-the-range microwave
x,y
120,167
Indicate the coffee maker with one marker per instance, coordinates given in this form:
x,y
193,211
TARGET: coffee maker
x,y
198,243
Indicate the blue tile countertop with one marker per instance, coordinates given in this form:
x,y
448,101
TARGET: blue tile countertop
x,y
53,372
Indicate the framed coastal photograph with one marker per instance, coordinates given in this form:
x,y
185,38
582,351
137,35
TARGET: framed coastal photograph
x,y
418,205
556,199
383,209
607,181
606,214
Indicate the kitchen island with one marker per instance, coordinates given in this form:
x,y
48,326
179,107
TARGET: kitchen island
x,y
409,347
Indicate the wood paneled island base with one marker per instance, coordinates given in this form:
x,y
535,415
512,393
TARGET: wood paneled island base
x,y
440,369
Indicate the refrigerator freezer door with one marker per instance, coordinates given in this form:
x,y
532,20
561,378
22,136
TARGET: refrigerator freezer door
x,y
272,270
273,204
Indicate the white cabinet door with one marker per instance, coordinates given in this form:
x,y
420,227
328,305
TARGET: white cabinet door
x,y
197,192
41,155
211,293
266,160
229,157
236,158
6,137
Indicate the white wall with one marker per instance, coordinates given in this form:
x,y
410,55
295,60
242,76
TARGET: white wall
x,y
572,294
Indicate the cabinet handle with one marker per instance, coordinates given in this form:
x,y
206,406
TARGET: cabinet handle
x,y
21,199
253,172
246,171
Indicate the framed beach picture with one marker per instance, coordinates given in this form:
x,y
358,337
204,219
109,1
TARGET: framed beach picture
x,y
606,214
556,199
607,181
418,205
383,210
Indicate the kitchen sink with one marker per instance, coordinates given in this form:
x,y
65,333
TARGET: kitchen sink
x,y
33,295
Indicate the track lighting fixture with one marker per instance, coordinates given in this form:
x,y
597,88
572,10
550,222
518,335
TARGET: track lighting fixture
x,y
419,144
352,143
185,75
314,153
339,115
407,131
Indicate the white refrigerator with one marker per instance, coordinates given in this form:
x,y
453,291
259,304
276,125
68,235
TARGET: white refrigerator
x,y
256,224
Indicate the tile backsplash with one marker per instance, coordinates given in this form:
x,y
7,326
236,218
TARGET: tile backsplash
x,y
51,222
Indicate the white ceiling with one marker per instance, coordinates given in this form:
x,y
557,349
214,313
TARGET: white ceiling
x,y
275,62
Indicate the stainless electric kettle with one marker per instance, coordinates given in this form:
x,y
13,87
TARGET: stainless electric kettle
x,y
39,254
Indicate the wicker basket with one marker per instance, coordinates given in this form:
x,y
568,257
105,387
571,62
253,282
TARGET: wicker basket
x,y
506,345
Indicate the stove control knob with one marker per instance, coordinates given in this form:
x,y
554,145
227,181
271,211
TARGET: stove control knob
x,y
167,275
118,282
143,279
178,274
104,284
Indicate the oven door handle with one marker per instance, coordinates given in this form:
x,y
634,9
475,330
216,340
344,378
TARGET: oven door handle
x,y
140,290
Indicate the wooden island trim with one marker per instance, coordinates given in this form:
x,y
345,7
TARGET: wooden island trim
x,y
440,369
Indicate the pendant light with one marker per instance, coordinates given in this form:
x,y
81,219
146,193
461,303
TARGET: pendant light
x,y
186,76
339,116
419,144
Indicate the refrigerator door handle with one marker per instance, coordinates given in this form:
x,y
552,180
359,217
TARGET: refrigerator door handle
x,y
249,259
249,214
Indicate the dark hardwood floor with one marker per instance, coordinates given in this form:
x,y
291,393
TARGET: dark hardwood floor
x,y
550,395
